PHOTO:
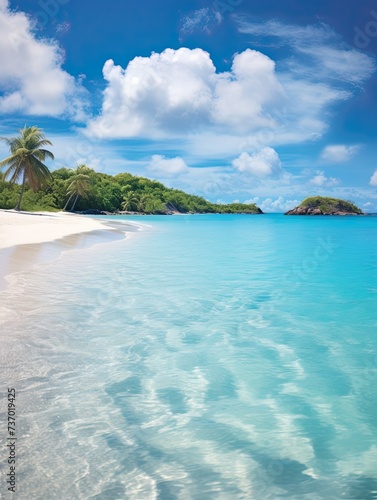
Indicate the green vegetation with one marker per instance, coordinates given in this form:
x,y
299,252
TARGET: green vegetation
x,y
25,162
78,186
329,205
27,179
83,189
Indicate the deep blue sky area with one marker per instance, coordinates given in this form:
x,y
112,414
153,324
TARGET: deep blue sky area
x,y
122,30
248,100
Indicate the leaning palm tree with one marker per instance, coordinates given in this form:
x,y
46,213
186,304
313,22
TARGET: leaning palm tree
x,y
130,199
79,183
79,186
25,163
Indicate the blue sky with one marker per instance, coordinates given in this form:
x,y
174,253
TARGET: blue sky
x,y
229,99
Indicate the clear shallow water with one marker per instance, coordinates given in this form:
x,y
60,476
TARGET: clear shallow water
x,y
207,357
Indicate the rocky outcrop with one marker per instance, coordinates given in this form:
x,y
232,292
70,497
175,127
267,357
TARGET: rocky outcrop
x,y
321,205
317,211
93,211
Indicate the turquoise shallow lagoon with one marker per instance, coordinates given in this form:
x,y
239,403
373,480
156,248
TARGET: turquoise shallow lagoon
x,y
205,357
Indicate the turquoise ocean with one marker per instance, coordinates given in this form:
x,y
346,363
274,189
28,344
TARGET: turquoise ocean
x,y
203,357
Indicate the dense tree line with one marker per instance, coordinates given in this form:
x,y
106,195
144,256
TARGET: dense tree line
x,y
28,180
83,188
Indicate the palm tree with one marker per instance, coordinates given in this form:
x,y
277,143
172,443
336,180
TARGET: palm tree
x,y
130,199
26,160
83,169
142,202
79,186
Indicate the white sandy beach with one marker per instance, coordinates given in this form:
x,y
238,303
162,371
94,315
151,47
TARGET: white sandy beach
x,y
21,228
28,238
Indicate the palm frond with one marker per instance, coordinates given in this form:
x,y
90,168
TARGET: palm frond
x,y
43,142
26,160
7,140
37,173
14,172
79,185
41,154
6,161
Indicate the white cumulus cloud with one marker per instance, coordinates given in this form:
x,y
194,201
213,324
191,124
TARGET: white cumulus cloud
x,y
338,153
167,167
321,180
32,80
373,179
271,205
264,163
180,92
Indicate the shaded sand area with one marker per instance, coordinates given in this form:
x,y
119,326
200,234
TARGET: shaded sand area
x,y
27,239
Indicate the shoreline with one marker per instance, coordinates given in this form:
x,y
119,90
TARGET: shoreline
x,y
29,239
23,228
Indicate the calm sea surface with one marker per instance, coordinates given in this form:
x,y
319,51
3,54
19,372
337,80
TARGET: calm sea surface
x,y
204,357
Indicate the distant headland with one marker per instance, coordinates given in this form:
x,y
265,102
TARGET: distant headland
x,y
322,205
82,190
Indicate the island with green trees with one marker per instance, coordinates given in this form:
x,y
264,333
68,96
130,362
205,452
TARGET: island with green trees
x,y
84,190
322,205
28,181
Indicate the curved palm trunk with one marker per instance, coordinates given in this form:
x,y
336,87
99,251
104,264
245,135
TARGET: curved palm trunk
x,y
18,206
74,203
66,205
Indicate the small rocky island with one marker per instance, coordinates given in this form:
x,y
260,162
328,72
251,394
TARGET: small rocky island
x,y
321,205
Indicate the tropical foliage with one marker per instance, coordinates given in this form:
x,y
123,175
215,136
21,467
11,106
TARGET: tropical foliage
x,y
78,186
25,163
84,189
326,204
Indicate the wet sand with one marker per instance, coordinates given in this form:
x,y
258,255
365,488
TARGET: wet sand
x,y
28,239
